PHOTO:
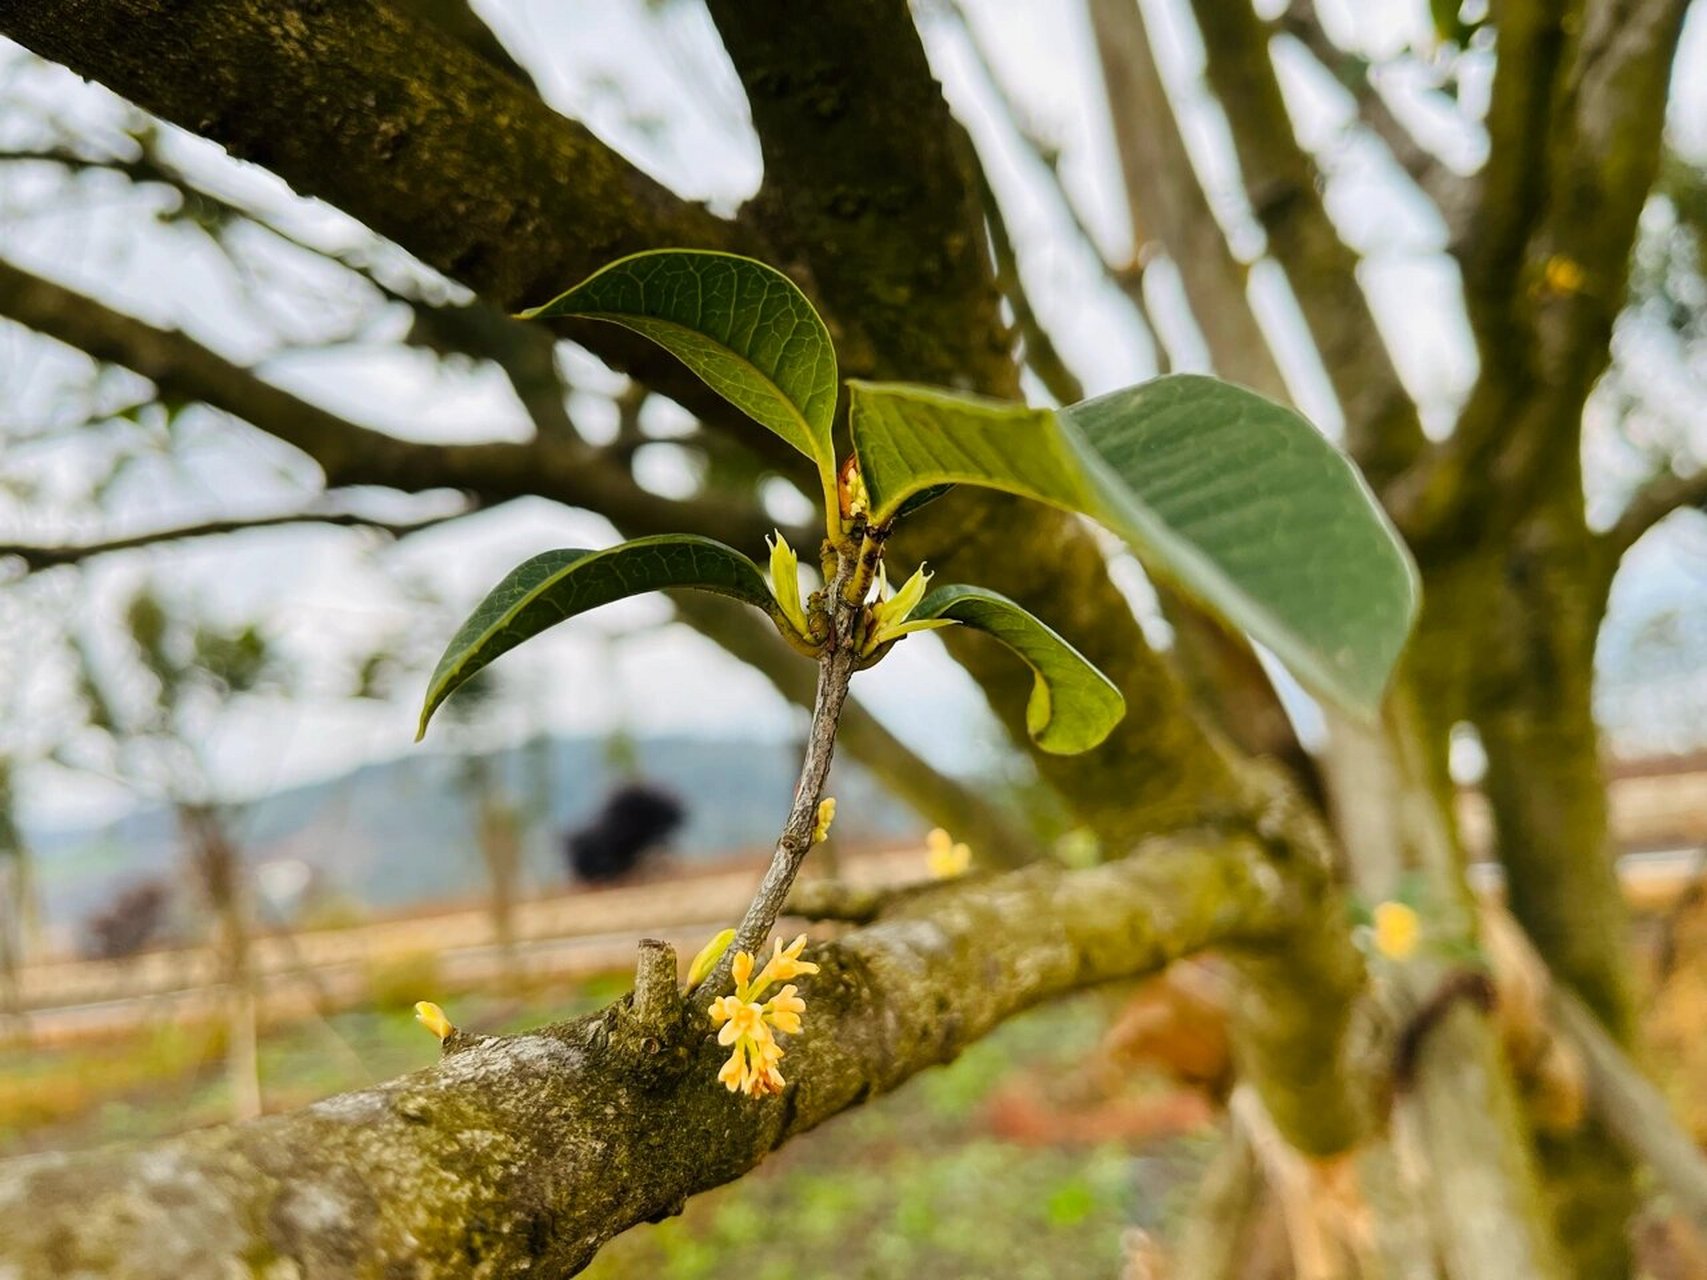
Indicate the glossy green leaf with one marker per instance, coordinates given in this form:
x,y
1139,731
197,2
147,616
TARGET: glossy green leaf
x,y
1236,499
556,585
1073,706
743,327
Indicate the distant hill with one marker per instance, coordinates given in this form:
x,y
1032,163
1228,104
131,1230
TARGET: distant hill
x,y
402,831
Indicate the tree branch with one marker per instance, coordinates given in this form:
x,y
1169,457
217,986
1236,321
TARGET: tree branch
x,y
835,669
1575,122
1166,203
1128,279
1382,428
1650,504
1635,1112
397,124
528,1153
1446,189
37,557
350,454
1040,351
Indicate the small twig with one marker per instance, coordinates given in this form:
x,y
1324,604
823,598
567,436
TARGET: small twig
x,y
37,558
835,670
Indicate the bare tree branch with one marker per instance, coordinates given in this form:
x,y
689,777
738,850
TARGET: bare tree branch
x,y
528,1153
1650,504
37,557
1040,351
1382,428
1446,189
403,128
1166,203
349,454
1128,279
1633,1109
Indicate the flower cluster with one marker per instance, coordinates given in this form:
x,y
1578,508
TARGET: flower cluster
x,y
748,1027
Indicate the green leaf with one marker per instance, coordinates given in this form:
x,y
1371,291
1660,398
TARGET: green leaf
x,y
554,586
1073,706
1238,500
743,327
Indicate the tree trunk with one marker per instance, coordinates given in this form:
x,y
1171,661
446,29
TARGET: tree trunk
x,y
1547,789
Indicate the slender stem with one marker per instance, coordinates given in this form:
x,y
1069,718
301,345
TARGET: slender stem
x,y
835,669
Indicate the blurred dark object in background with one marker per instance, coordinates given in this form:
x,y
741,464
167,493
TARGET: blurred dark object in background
x,y
126,926
636,819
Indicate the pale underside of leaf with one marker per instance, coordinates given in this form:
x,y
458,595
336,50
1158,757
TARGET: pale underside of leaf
x,y
1235,499
556,585
744,328
1072,706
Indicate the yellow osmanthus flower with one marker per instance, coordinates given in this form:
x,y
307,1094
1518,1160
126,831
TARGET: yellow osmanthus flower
x,y
946,856
430,1016
888,612
785,585
1397,930
826,815
748,1027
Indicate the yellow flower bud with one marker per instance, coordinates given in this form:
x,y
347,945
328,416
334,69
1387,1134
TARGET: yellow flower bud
x,y
430,1016
709,955
785,584
826,815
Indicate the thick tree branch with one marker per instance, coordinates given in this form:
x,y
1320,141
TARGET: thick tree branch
x,y
387,118
869,197
1382,428
350,454
526,1154
871,189
404,128
1575,122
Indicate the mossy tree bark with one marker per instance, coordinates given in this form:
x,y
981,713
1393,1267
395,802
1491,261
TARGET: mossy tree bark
x,y
525,1154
